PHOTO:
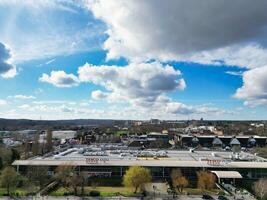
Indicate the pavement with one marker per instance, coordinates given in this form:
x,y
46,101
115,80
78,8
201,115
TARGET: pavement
x,y
166,197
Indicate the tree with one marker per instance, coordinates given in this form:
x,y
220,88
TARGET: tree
x,y
9,179
66,176
259,188
49,142
84,178
206,180
6,155
1,163
178,180
14,155
63,173
35,148
136,176
75,181
38,175
26,149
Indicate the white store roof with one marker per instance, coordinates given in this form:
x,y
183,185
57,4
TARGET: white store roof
x,y
207,159
146,163
227,174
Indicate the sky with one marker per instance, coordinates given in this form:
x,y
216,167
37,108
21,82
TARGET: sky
x,y
134,59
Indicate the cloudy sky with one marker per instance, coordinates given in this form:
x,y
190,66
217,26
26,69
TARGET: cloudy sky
x,y
134,59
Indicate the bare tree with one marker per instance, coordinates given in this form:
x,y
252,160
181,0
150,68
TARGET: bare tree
x,y
206,180
260,187
38,175
35,148
49,142
178,180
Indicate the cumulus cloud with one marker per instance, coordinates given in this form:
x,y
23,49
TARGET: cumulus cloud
x,y
200,31
254,89
218,32
135,83
60,79
7,70
144,87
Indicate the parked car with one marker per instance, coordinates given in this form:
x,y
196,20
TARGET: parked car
x,y
206,196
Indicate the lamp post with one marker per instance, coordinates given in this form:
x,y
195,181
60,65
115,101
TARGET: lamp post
x,y
154,188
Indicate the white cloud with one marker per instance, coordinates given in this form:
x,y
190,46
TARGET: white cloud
x,y
235,73
7,69
20,96
60,79
245,55
50,61
143,87
3,102
254,89
50,4
163,108
98,95
188,30
24,106
52,29
136,83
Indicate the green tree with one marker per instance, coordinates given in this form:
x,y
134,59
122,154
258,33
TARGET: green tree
x,y
136,176
9,179
6,155
178,180
14,155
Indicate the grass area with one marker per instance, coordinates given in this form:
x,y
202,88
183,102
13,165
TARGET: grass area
x,y
104,191
59,192
196,191
119,133
18,191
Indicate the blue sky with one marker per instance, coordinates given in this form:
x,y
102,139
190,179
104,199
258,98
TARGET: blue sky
x,y
135,60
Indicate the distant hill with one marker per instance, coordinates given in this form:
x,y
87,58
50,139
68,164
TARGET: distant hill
x,y
13,124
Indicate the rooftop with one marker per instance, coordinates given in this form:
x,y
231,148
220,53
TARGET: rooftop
x,y
92,156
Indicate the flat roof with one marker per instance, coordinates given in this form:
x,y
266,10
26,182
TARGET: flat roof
x,y
227,174
207,159
222,136
149,163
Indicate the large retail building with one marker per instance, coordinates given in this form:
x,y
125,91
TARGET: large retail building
x,y
113,161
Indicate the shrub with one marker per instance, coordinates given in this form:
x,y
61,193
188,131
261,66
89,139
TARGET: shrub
x,y
94,193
